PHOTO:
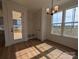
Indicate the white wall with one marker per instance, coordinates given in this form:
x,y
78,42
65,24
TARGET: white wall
x,y
31,24
8,6
44,25
37,23
40,24
69,4
31,21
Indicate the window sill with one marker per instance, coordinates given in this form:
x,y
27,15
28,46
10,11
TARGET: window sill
x,y
67,36
70,36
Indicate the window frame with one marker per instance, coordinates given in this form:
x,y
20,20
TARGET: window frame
x,y
57,23
63,23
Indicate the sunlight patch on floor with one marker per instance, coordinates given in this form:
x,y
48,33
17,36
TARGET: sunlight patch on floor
x,y
54,54
43,47
58,54
27,53
65,56
43,57
36,51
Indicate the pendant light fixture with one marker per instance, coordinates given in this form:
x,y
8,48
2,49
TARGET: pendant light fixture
x,y
52,10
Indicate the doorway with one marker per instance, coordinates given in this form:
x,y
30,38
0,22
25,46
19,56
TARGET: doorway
x,y
2,35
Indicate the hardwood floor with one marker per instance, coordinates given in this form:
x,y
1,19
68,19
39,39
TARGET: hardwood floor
x,y
35,49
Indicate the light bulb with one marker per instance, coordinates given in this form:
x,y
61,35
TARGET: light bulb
x,y
47,10
56,8
53,11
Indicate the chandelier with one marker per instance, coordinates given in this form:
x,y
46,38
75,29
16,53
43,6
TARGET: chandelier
x,y
52,10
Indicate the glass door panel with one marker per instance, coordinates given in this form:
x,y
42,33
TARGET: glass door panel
x,y
17,25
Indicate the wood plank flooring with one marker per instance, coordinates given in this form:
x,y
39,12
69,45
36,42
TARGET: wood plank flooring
x,y
35,49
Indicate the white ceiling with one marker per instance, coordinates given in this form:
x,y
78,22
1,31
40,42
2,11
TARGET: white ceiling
x,y
37,4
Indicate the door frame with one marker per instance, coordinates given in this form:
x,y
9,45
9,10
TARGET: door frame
x,y
11,21
8,6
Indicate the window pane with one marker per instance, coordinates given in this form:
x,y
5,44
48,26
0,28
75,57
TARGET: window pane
x,y
15,22
67,25
69,14
17,25
56,23
57,17
76,15
71,23
76,24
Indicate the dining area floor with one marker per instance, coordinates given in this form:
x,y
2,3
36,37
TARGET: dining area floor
x,y
36,49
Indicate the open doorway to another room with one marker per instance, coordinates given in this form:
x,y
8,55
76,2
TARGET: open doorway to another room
x,y
2,35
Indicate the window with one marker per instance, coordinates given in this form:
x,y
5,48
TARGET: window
x,y
71,23
69,27
56,23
